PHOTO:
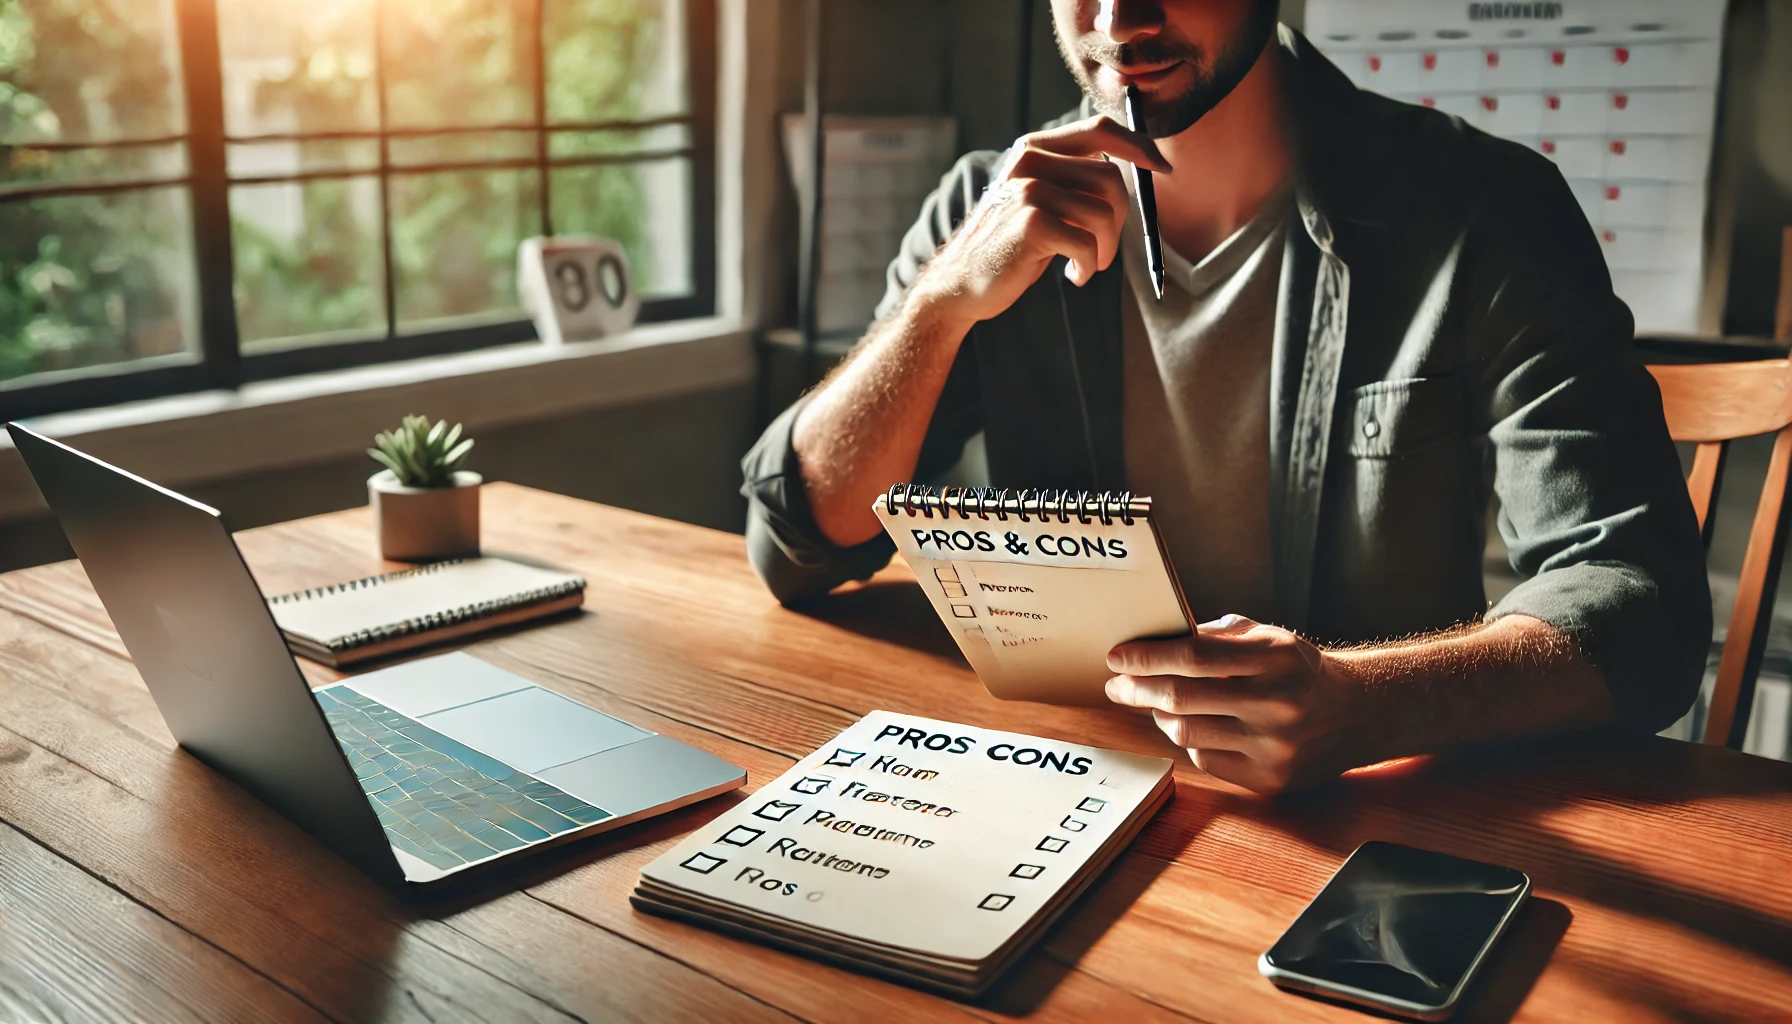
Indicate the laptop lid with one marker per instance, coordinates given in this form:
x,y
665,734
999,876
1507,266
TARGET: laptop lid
x,y
199,632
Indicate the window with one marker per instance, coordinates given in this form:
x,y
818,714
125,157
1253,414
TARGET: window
x,y
198,193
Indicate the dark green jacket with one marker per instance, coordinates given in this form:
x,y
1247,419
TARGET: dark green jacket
x,y
1446,331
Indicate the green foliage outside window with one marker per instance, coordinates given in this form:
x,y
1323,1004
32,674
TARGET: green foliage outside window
x,y
87,279
93,279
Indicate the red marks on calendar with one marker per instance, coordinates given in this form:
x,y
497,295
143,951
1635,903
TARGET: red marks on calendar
x,y
1621,104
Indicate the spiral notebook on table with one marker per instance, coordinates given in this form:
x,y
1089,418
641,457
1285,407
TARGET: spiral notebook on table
x,y
1037,586
925,851
380,615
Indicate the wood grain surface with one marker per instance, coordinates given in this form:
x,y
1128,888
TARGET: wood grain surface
x,y
136,884
1705,402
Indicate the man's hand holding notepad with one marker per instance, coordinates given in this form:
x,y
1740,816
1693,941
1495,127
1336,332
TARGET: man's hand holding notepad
x,y
1037,586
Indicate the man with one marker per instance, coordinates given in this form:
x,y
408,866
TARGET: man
x,y
1375,319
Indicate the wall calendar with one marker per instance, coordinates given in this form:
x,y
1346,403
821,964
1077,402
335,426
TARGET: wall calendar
x,y
1621,94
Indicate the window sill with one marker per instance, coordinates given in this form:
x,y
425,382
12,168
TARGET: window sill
x,y
214,435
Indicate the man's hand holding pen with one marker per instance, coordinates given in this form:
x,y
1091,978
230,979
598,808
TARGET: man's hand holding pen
x,y
1058,196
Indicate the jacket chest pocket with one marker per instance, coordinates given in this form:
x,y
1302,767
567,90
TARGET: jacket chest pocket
x,y
1399,547
1392,418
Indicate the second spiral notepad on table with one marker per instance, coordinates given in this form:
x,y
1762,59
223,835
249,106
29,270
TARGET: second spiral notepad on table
x,y
380,615
1037,586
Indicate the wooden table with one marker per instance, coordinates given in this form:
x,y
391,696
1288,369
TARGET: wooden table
x,y
136,884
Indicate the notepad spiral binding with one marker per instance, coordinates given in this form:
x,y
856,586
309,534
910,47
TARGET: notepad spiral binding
x,y
1025,504
365,581
422,624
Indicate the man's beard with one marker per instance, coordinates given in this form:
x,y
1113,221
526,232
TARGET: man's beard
x,y
1215,77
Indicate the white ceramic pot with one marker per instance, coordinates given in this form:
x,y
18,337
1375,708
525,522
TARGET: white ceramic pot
x,y
420,524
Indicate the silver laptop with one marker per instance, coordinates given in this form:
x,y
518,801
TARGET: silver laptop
x,y
417,774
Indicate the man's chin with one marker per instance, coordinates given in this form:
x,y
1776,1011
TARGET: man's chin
x,y
1178,101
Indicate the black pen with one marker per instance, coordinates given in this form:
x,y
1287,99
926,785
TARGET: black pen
x,y
1154,244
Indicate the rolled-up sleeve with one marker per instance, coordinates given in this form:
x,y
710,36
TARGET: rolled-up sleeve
x,y
1593,507
786,547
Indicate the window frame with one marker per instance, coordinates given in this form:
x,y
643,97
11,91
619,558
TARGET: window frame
x,y
219,363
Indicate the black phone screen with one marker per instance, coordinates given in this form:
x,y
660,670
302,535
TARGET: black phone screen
x,y
1400,922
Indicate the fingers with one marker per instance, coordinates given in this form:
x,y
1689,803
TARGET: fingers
x,y
1099,178
1255,705
1055,197
1091,213
1098,135
1063,238
1205,732
1229,624
1171,694
1224,653
1176,695
1241,770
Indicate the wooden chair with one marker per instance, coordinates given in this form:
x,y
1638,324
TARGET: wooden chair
x,y
1712,405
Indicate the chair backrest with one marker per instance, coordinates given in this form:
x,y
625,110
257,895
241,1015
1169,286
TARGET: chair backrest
x,y
1712,405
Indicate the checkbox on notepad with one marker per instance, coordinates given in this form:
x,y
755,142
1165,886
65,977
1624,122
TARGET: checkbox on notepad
x,y
703,863
844,758
1070,824
1092,804
995,901
944,573
741,835
775,810
1052,844
953,589
964,611
1026,870
812,784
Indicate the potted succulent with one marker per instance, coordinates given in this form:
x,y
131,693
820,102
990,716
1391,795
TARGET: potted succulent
x,y
427,508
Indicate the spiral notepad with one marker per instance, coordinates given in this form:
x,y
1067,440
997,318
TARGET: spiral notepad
x,y
929,852
1037,586
379,615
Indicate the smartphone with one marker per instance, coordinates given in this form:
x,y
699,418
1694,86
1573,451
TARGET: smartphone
x,y
1397,929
